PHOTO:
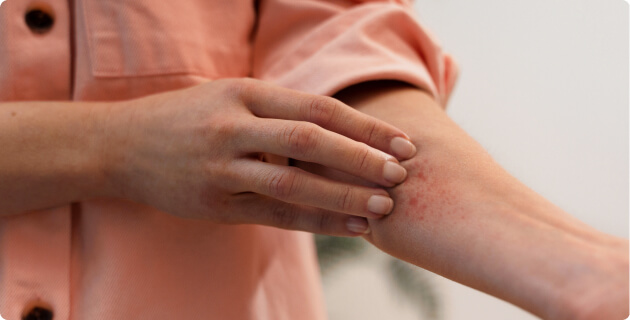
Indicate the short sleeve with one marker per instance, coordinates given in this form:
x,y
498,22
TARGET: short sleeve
x,y
323,46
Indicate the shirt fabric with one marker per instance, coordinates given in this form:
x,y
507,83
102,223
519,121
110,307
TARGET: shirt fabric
x,y
114,259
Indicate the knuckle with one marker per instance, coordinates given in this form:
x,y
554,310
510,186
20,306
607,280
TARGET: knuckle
x,y
371,132
324,222
237,87
301,138
225,129
282,185
284,216
322,110
362,159
345,199
210,132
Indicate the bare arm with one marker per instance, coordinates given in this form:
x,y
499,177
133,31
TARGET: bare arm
x,y
459,214
202,152
49,154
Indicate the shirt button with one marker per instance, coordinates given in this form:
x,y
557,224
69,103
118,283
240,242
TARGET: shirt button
x,y
39,21
38,313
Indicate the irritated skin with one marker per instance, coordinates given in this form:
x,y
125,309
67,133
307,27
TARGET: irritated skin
x,y
188,152
461,215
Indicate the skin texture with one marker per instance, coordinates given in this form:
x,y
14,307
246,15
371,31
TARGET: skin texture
x,y
459,214
204,153
207,150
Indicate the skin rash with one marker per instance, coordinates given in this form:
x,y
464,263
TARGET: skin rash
x,y
424,197
460,215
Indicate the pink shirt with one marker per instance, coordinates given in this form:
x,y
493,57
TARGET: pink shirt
x,y
114,259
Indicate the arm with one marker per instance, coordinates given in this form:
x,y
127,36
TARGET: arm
x,y
460,215
200,152
49,154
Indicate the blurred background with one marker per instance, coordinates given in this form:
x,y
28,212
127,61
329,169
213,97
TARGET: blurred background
x,y
544,88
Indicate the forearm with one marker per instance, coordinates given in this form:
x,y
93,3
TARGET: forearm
x,y
50,154
462,216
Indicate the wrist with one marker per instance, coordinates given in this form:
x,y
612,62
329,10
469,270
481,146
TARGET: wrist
x,y
552,264
112,148
601,291
556,269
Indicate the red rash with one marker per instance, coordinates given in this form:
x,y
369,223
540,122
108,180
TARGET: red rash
x,y
425,197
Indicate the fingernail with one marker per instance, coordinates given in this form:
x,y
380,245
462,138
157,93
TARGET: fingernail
x,y
380,204
394,172
358,225
403,147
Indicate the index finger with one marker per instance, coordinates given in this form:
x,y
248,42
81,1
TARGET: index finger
x,y
270,101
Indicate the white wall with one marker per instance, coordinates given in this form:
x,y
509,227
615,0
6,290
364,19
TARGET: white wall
x,y
544,87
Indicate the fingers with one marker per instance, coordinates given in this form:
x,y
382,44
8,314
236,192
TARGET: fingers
x,y
309,142
257,209
293,185
269,101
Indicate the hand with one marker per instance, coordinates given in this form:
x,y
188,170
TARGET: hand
x,y
196,153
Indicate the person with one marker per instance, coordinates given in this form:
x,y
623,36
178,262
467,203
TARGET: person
x,y
145,175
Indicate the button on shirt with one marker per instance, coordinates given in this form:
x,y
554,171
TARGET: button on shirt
x,y
39,21
114,259
38,313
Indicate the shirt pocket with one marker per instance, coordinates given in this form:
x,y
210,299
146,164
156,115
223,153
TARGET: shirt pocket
x,y
146,37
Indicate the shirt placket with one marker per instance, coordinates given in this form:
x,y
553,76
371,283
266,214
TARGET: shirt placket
x,y
35,65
